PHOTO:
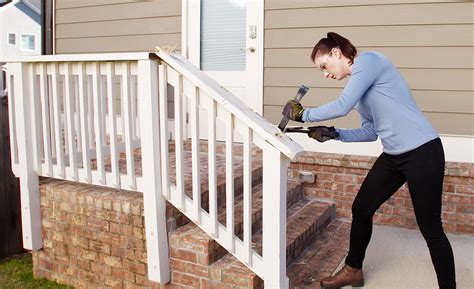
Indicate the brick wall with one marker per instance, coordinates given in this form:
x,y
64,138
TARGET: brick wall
x,y
94,237
338,178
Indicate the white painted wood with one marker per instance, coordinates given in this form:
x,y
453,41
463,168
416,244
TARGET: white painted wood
x,y
247,173
45,109
127,116
83,57
275,167
133,105
77,116
112,117
90,105
12,120
257,123
154,203
35,109
69,111
211,120
229,165
29,184
85,129
196,154
247,84
163,95
58,127
179,148
98,122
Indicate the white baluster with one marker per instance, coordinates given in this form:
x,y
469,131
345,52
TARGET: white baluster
x,y
45,108
85,121
98,122
114,154
69,117
247,226
128,124
35,108
163,94
229,164
57,123
196,154
179,148
212,167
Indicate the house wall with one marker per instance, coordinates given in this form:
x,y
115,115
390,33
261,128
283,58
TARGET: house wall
x,y
116,25
430,42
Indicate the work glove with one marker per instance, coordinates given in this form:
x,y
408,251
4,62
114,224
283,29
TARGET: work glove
x,y
293,110
323,133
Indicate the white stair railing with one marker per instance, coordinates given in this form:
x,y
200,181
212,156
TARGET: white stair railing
x,y
212,107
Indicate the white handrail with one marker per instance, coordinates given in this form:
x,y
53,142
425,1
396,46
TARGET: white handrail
x,y
237,107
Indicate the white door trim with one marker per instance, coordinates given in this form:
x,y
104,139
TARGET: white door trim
x,y
190,40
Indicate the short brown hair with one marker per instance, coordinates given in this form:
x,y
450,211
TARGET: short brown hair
x,y
325,45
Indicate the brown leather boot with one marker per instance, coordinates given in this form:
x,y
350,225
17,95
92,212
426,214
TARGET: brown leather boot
x,y
346,276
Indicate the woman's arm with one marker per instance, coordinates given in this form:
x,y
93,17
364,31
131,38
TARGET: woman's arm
x,y
366,133
366,71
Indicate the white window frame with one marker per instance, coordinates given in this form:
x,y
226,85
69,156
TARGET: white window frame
x,y
8,39
21,41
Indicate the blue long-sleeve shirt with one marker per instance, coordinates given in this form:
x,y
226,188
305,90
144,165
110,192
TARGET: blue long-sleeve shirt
x,y
385,104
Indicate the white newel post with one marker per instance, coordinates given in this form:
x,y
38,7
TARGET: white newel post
x,y
275,168
154,203
29,184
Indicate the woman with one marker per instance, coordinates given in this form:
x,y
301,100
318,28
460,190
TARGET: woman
x,y
412,151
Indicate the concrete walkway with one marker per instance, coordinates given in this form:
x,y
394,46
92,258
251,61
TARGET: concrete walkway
x,y
399,259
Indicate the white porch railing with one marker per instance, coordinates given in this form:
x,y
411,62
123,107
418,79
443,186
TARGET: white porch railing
x,y
68,114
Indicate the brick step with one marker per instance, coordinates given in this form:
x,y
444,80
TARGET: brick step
x,y
220,177
321,257
294,194
306,219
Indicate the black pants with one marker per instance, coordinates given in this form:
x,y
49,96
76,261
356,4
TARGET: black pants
x,y
423,170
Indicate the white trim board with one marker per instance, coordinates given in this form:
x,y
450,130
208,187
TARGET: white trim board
x,y
456,148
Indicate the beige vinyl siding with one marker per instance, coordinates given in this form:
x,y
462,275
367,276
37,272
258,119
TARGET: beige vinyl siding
x,y
430,42
116,26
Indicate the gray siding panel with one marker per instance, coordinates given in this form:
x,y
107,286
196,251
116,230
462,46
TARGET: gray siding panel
x,y
431,42
116,26
133,43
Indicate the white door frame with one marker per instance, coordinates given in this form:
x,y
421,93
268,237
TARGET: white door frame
x,y
190,39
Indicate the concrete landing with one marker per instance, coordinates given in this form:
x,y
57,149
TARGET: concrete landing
x,y
399,259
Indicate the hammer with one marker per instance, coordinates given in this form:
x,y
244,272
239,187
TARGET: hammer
x,y
299,95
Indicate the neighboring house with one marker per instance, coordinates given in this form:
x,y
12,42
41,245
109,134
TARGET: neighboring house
x,y
20,30
431,45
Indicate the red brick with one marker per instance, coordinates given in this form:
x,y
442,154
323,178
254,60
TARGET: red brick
x,y
198,270
185,279
184,255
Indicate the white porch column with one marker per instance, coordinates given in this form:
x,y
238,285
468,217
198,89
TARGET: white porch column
x,y
275,168
19,102
154,203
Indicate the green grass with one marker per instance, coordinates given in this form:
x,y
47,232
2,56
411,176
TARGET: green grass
x,y
17,272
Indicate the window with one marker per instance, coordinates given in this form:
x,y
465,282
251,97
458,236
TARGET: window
x,y
11,38
28,42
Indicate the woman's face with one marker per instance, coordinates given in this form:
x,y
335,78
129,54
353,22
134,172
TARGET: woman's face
x,y
332,64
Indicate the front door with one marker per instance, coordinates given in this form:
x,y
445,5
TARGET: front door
x,y
224,38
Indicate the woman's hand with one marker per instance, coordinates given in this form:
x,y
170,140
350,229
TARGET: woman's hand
x,y
323,133
293,110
